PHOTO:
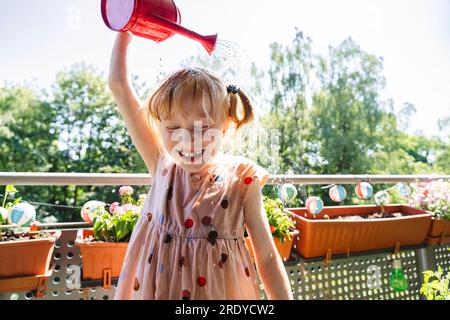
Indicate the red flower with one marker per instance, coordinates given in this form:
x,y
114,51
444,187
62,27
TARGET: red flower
x,y
272,229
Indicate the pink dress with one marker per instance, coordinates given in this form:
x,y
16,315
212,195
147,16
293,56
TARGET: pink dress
x,y
189,240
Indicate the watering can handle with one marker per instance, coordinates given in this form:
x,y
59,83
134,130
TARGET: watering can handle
x,y
178,15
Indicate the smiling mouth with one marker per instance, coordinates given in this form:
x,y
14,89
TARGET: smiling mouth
x,y
191,156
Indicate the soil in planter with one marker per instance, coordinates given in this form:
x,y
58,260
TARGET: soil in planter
x,y
12,236
91,238
376,215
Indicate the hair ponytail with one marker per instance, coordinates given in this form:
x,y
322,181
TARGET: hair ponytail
x,y
247,108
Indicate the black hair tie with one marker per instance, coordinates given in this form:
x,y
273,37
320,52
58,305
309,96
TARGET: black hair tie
x,y
233,89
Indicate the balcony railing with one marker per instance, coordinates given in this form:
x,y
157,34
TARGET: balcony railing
x,y
342,278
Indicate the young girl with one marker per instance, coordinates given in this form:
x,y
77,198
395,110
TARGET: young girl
x,y
189,240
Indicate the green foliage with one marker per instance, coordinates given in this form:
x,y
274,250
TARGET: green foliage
x,y
332,119
326,110
73,127
279,221
118,224
438,287
114,227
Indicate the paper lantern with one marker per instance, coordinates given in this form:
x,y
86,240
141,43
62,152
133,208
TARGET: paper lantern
x,y
89,208
314,205
363,190
404,189
337,193
287,193
382,198
22,214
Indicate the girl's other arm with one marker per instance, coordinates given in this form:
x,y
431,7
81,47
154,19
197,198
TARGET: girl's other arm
x,y
270,267
144,137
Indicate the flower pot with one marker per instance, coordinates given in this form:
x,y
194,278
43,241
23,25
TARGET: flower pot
x,y
98,257
439,232
26,258
320,237
283,247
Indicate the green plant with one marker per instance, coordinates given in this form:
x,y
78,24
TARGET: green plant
x,y
279,221
438,288
118,224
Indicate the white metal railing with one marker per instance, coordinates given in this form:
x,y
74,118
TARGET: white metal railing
x,y
59,178
134,179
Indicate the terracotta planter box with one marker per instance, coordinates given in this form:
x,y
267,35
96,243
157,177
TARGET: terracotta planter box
x,y
283,248
98,257
439,232
321,238
26,258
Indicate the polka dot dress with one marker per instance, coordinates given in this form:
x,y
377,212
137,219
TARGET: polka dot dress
x,y
188,243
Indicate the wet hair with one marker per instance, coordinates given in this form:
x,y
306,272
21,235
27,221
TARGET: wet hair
x,y
205,86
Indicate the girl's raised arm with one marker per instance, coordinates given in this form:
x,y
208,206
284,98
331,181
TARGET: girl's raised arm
x,y
144,137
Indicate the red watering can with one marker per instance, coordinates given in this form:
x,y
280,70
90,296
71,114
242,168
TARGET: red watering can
x,y
152,19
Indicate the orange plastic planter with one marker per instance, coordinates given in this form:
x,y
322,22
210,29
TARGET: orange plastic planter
x,y
322,237
283,248
25,258
439,232
98,257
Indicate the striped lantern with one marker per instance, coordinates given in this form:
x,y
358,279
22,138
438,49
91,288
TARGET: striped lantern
x,y
382,198
363,190
287,192
22,214
89,208
404,189
337,193
314,205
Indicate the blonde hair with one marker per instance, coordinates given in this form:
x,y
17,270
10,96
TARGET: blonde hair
x,y
201,83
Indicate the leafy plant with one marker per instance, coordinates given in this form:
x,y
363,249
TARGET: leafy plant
x,y
437,289
279,221
118,224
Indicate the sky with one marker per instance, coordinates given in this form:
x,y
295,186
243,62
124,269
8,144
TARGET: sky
x,y
41,37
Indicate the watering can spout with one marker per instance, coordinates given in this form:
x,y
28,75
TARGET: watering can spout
x,y
209,42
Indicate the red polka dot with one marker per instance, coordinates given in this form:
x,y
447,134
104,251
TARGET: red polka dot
x,y
201,281
164,172
248,180
189,223
206,220
136,284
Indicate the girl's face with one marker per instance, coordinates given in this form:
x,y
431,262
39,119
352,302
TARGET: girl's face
x,y
190,138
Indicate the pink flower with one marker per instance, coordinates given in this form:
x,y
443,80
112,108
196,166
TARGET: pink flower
x,y
127,207
136,209
126,190
113,207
